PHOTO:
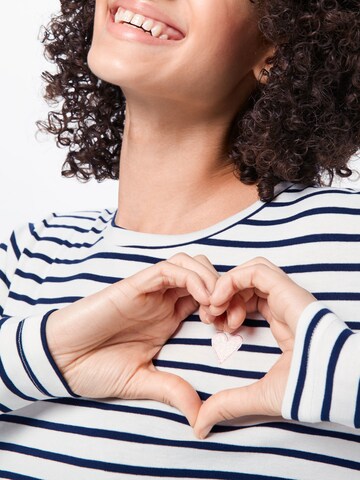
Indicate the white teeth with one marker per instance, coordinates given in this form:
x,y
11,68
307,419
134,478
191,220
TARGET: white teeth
x,y
148,24
138,20
156,31
117,16
127,16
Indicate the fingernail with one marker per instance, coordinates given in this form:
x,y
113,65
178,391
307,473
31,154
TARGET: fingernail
x,y
232,321
204,433
208,318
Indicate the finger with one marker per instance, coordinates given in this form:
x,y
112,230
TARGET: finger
x,y
208,319
228,405
232,314
254,262
236,313
172,390
167,275
259,276
199,264
184,307
206,262
260,261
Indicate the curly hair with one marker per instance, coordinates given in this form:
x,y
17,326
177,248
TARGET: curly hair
x,y
300,124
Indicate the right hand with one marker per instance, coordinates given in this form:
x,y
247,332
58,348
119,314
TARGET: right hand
x,y
104,344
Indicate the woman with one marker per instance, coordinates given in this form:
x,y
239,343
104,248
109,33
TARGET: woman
x,y
216,92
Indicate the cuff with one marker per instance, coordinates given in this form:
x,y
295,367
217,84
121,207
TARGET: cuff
x,y
27,370
323,383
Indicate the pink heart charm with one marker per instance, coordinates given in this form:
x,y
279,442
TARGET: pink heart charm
x,y
226,344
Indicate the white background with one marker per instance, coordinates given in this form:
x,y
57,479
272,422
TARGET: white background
x,y
31,185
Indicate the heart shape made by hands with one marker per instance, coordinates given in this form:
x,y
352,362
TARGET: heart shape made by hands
x,y
226,344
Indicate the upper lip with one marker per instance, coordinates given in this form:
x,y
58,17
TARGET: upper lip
x,y
146,10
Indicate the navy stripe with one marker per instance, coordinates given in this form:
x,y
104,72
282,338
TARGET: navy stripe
x,y
16,476
248,322
42,301
4,409
15,246
323,190
48,354
137,438
84,403
3,319
9,384
55,215
336,296
73,227
307,213
304,363
102,255
316,432
182,473
80,276
315,238
192,318
205,368
322,267
178,418
4,247
92,219
4,278
357,409
325,411
207,343
59,241
353,325
25,363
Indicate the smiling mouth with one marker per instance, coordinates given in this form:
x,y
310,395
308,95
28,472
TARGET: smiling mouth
x,y
148,25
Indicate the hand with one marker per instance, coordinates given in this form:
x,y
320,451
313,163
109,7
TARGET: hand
x,y
259,286
104,344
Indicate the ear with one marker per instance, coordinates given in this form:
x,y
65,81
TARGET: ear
x,y
262,69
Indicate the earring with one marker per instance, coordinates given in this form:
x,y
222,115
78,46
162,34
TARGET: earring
x,y
263,73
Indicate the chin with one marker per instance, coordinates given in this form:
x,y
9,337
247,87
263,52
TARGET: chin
x,y
107,66
117,68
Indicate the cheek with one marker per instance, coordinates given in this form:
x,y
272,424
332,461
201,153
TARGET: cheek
x,y
228,55
239,46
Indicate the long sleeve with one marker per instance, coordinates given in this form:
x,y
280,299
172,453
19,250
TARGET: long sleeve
x,y
27,370
324,380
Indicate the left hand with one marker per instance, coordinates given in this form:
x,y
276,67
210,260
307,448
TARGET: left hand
x,y
256,286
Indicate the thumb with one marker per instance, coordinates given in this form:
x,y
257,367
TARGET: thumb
x,y
227,405
172,390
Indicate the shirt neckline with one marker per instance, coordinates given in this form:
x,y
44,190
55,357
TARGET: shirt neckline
x,y
120,236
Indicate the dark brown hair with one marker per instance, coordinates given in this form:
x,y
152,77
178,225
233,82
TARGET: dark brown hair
x,y
304,122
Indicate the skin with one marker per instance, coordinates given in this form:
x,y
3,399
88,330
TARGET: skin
x,y
181,100
171,108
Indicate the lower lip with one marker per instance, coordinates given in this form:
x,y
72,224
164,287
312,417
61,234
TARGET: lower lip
x,y
124,31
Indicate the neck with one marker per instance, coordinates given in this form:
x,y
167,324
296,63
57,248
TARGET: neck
x,y
174,166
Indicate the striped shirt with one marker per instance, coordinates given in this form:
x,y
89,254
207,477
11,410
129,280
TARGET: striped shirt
x,y
46,432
